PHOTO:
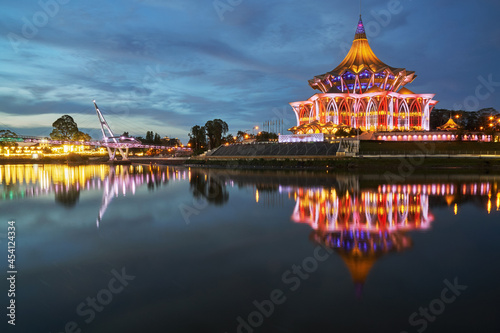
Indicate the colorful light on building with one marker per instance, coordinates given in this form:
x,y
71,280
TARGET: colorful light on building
x,y
365,93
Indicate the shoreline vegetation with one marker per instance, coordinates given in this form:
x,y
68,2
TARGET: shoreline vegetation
x,y
408,164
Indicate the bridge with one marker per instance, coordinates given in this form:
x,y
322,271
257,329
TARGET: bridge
x,y
114,144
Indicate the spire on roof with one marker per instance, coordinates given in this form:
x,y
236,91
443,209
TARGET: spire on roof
x,y
360,30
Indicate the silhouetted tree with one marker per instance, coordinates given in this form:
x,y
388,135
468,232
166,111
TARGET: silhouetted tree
x,y
80,136
197,138
157,139
210,188
215,130
68,197
240,136
7,134
149,136
266,136
65,128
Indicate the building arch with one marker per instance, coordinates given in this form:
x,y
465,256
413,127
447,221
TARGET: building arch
x,y
372,115
305,113
360,112
332,111
415,115
344,113
403,115
383,111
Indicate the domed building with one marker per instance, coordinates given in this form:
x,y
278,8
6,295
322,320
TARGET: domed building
x,y
364,93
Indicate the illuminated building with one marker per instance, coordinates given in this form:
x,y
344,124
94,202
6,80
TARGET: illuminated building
x,y
450,125
363,93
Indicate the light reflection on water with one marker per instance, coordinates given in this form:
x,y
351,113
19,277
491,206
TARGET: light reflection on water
x,y
203,222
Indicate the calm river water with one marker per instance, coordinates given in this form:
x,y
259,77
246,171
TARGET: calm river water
x,y
162,249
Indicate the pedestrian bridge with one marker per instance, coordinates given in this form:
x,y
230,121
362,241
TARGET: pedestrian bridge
x,y
114,144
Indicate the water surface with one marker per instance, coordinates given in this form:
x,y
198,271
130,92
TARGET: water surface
x,y
140,249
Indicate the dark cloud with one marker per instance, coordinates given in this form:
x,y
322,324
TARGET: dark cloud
x,y
166,65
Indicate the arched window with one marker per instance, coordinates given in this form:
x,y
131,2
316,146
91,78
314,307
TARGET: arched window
x,y
344,114
304,114
361,114
403,114
416,115
383,111
372,116
332,112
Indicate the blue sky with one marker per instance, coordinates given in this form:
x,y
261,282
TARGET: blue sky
x,y
168,65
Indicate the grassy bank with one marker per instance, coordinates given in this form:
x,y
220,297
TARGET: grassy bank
x,y
376,147
376,165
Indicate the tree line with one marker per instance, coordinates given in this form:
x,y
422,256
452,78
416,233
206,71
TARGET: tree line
x,y
66,129
215,133
482,120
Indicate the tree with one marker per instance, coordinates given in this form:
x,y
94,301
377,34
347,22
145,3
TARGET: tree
x,y
197,138
149,136
68,197
212,189
7,134
215,130
157,139
65,128
80,136
230,139
341,132
266,136
240,136
8,138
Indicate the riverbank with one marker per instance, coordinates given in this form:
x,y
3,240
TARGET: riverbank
x,y
373,163
401,164
74,160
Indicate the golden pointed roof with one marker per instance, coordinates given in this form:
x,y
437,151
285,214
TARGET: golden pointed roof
x,y
361,63
405,91
449,126
359,266
360,55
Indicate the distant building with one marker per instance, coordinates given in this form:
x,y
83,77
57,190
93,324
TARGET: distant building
x,y
450,125
171,142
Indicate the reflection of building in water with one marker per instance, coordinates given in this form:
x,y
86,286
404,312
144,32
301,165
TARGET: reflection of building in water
x,y
20,181
361,226
360,249
325,210
66,182
268,195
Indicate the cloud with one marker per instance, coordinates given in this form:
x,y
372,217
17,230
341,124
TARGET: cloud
x,y
168,65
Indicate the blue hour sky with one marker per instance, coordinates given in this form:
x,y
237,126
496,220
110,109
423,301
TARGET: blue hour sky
x,y
168,65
